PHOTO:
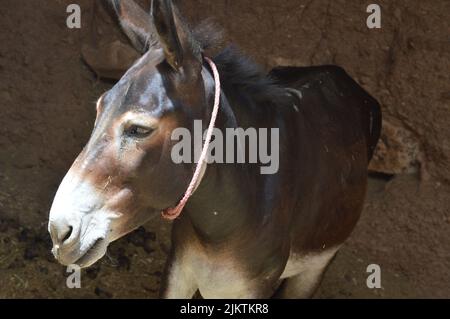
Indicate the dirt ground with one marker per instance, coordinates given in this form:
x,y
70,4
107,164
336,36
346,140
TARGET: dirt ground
x,y
47,100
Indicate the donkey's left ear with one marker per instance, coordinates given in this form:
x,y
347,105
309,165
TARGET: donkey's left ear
x,y
173,35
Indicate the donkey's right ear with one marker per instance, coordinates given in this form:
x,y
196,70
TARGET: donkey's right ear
x,y
135,22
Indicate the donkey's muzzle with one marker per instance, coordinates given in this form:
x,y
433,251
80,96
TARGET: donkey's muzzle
x,y
79,224
72,246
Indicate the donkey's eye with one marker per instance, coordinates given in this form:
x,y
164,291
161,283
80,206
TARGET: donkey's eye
x,y
136,131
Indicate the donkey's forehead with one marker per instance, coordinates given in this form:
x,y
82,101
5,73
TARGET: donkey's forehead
x,y
142,87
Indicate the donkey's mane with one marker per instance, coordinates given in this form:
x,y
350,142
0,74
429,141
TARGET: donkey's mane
x,y
242,79
246,81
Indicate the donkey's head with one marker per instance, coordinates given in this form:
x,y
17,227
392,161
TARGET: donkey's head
x,y
125,174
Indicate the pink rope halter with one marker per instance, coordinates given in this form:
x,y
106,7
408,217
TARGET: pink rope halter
x,y
174,212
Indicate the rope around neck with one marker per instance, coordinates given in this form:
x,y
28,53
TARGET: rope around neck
x,y
174,212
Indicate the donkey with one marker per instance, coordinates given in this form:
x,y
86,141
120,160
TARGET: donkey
x,y
241,234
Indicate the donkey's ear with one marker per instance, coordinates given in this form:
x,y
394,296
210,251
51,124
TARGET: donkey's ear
x,y
135,22
164,20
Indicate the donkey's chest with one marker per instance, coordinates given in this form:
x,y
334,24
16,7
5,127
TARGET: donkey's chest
x,y
218,276
224,276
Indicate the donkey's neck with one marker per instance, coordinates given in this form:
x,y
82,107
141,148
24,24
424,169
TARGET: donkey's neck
x,y
228,200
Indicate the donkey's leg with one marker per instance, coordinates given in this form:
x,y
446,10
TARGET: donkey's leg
x,y
305,284
301,286
179,281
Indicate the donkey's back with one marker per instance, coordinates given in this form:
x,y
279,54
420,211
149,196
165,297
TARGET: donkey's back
x,y
339,92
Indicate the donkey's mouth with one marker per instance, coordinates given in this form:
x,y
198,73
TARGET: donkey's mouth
x,y
94,253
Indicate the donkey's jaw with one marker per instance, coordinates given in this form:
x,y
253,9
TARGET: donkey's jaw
x,y
79,224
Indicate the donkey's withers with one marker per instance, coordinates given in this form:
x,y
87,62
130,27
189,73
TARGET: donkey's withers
x,y
242,234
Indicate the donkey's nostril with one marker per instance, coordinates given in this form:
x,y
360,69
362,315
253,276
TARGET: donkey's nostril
x,y
61,232
67,235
